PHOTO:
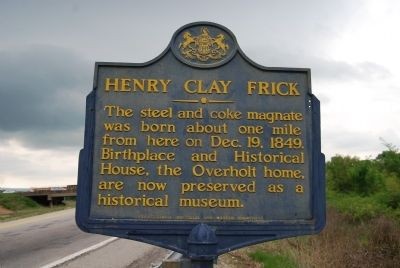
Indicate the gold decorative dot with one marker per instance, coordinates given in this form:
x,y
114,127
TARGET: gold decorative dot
x,y
203,100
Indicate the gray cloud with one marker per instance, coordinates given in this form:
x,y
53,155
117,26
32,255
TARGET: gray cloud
x,y
43,87
133,32
365,144
339,70
42,93
47,138
324,68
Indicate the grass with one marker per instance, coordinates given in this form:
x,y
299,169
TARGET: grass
x,y
272,260
367,242
361,208
23,207
17,202
360,232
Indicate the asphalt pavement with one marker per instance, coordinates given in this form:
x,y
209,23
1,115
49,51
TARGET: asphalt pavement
x,y
42,241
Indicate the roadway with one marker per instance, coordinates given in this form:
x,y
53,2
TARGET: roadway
x,y
53,239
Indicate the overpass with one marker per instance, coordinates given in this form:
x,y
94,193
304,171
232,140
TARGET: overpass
x,y
51,195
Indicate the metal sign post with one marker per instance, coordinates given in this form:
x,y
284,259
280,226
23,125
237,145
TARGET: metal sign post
x,y
201,150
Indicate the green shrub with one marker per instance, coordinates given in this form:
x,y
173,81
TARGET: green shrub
x,y
338,173
389,161
357,207
351,175
366,179
391,195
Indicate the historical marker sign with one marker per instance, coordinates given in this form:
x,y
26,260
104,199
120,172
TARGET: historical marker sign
x,y
201,139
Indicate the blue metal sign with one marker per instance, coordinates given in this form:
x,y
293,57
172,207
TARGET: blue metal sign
x,y
201,150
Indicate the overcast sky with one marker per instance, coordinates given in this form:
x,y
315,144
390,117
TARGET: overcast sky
x,y
48,50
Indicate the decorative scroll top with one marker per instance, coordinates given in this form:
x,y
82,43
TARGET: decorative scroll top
x,y
203,47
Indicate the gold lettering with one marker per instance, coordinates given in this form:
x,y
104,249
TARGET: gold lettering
x,y
159,128
134,85
189,88
260,157
165,84
282,173
109,185
208,129
299,189
275,188
120,141
263,88
251,86
151,186
226,115
165,170
272,117
204,157
280,88
110,169
111,83
118,111
293,89
118,127
225,85
122,200
218,187
286,129
230,171
156,113
250,129
210,203
197,87
125,87
196,114
162,142
214,87
152,85
138,84
216,141
137,157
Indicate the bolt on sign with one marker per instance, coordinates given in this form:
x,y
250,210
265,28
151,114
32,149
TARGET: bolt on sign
x,y
201,150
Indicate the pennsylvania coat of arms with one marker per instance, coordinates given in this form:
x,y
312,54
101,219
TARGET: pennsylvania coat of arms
x,y
203,47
